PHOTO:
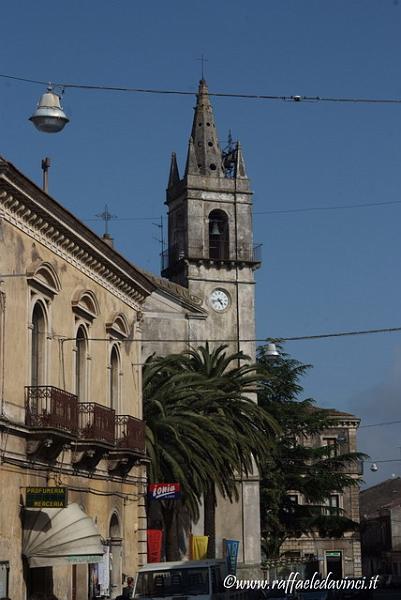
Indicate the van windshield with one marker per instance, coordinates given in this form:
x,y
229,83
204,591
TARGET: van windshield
x,y
172,582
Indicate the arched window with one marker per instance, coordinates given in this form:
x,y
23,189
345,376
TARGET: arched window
x,y
81,355
218,235
114,377
115,537
38,347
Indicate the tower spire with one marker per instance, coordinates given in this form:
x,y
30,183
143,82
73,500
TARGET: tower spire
x,y
206,149
240,171
174,176
191,168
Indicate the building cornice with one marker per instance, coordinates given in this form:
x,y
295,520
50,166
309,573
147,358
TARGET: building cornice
x,y
27,207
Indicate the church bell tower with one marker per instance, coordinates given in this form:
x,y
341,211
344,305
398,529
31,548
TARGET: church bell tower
x,y
211,252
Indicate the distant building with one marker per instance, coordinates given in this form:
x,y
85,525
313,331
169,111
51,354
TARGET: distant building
x,y
340,556
71,312
380,508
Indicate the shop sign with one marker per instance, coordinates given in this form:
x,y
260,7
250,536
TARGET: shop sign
x,y
164,491
84,558
46,497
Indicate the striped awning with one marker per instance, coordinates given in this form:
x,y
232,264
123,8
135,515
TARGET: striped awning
x,y
58,536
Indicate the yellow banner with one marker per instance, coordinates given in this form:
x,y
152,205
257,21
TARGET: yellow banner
x,y
199,547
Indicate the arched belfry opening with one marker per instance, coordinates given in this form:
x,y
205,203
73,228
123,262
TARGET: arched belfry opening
x,y
218,235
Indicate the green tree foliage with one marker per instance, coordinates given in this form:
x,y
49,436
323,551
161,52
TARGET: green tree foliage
x,y
203,427
292,465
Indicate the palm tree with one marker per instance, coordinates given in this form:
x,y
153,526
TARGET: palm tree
x,y
203,428
231,402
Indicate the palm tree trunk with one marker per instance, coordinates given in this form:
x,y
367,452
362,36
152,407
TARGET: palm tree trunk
x,y
210,520
170,530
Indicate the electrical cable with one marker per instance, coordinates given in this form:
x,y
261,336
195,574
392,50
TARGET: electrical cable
x,y
324,208
294,98
279,211
278,339
380,424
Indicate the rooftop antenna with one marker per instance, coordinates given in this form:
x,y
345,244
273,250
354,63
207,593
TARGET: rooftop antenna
x,y
45,168
161,238
229,156
106,216
202,60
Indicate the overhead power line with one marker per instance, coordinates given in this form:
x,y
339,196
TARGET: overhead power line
x,y
227,341
341,334
279,211
294,98
323,208
380,424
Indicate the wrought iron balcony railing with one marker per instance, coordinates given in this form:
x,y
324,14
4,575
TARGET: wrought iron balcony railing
x,y
130,433
217,250
96,422
49,407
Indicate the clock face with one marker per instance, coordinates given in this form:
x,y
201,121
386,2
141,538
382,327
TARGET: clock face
x,y
219,300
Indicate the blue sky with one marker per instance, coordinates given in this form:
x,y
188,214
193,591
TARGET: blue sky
x,y
323,271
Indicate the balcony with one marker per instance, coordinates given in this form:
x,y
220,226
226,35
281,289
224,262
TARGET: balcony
x,y
48,407
51,414
96,423
130,433
130,445
218,251
55,418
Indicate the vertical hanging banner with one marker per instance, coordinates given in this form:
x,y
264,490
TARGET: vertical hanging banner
x,y
199,545
155,538
231,552
99,576
104,573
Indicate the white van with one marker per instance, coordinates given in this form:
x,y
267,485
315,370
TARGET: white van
x,y
197,579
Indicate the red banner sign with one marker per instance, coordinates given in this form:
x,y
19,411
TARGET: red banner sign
x,y
164,491
155,537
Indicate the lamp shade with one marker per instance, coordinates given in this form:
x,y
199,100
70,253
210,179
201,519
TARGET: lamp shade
x,y
271,351
49,116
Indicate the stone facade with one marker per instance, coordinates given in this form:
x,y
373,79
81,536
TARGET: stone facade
x,y
70,382
327,553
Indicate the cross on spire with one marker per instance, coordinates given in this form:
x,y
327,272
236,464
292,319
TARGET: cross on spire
x,y
106,217
202,60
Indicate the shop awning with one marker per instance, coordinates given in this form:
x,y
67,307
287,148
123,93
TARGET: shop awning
x,y
56,536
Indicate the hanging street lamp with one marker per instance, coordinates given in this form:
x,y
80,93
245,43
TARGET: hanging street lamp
x,y
49,116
